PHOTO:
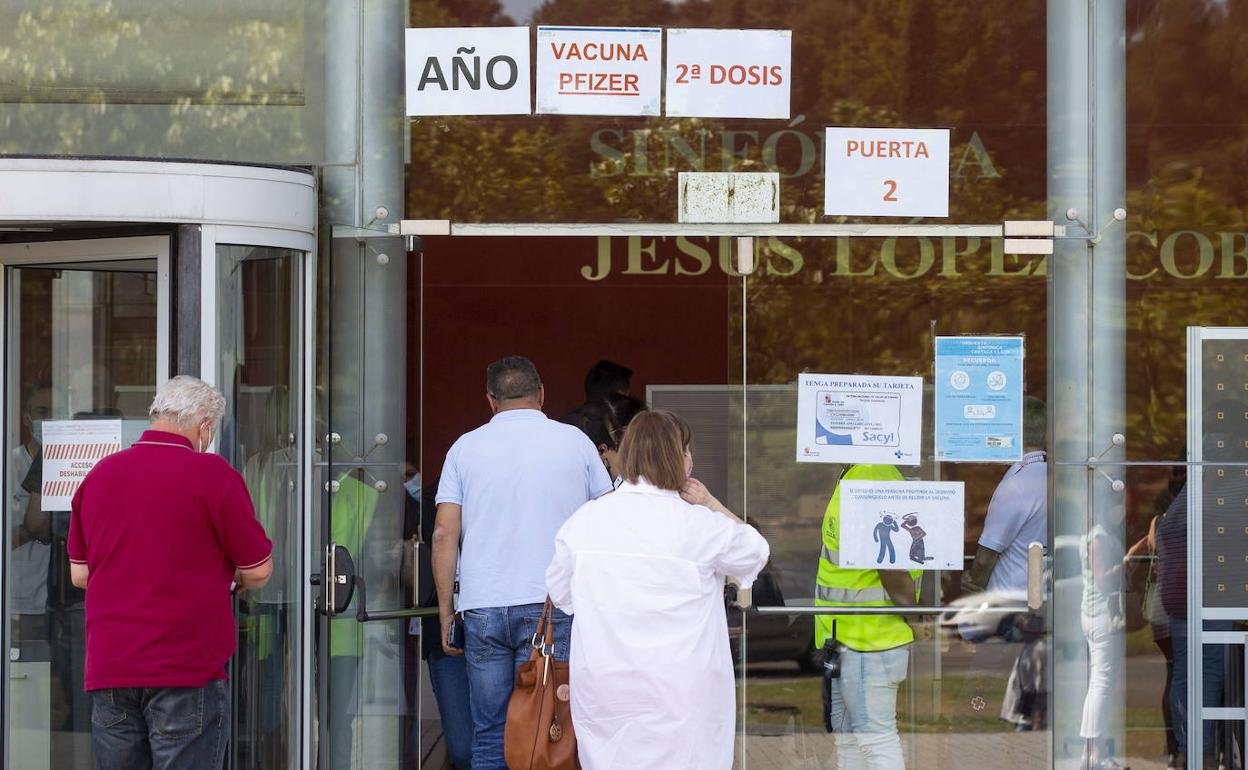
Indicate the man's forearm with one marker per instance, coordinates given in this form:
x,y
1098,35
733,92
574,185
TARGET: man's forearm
x,y
900,587
445,557
975,580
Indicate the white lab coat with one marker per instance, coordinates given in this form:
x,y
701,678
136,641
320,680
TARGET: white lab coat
x,y
642,571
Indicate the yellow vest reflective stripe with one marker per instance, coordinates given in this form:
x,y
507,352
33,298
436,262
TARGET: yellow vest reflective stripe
x,y
838,587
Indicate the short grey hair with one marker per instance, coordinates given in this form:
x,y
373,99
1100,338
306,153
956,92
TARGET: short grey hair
x,y
187,401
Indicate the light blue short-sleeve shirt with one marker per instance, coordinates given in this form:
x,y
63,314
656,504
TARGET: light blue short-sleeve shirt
x,y
518,478
1017,517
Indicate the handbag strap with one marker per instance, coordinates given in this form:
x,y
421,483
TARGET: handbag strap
x,y
544,630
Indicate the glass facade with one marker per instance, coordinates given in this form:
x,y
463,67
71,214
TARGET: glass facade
x,y
1059,110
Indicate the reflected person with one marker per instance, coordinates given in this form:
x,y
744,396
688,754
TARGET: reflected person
x,y
866,656
1018,515
30,536
1103,626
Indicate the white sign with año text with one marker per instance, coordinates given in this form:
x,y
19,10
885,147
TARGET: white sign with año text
x,y
468,71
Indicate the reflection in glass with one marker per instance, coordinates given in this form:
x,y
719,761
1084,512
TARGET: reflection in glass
x,y
260,332
81,345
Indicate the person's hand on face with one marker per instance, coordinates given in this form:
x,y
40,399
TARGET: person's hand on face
x,y
696,493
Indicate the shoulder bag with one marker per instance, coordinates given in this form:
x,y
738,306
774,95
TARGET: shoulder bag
x,y
539,735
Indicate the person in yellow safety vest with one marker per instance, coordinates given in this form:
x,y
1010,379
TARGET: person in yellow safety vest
x,y
866,656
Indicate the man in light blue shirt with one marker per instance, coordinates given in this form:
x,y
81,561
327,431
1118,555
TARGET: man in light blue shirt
x,y
506,489
1018,515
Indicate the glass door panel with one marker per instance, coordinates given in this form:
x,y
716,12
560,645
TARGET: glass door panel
x,y
974,678
260,342
368,512
82,344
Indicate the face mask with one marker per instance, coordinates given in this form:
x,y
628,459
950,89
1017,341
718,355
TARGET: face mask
x,y
36,430
412,486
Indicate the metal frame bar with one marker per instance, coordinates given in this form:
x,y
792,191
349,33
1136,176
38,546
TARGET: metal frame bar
x,y
887,610
426,227
1195,515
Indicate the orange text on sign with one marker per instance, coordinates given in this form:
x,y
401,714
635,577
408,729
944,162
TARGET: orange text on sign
x,y
599,51
883,148
599,83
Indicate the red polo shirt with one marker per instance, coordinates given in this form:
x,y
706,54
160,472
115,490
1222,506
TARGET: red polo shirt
x,y
162,529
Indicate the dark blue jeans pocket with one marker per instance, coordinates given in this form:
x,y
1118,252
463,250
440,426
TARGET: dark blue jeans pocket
x,y
104,709
178,712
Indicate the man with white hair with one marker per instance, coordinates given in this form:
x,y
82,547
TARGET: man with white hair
x,y
158,535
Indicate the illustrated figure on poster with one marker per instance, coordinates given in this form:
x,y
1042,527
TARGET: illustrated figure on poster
x,y
918,552
883,534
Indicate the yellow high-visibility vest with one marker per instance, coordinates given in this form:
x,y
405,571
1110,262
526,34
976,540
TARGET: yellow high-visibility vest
x,y
839,587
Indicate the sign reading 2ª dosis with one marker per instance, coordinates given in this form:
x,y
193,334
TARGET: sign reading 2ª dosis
x,y
728,73
887,172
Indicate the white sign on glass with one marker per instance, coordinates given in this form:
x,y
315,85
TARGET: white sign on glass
x,y
910,525
887,172
599,70
729,73
468,71
71,448
851,418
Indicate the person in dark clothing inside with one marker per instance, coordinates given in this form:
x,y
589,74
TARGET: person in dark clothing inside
x,y
607,377
603,379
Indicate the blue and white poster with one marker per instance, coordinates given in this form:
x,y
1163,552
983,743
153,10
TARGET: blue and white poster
x,y
979,399
858,418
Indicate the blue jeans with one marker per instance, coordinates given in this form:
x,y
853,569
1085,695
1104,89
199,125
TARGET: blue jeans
x,y
863,709
496,642
161,728
1212,681
448,676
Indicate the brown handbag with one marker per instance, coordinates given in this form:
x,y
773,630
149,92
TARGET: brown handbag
x,y
539,732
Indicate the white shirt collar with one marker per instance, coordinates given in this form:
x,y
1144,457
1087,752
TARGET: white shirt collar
x,y
643,487
518,414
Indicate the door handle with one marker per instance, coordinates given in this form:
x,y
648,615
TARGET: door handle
x,y
338,589
1035,576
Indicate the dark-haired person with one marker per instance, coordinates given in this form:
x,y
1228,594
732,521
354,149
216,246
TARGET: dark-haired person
x,y
607,377
603,379
506,489
643,572
620,409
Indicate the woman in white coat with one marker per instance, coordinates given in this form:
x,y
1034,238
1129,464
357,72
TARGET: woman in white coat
x,y
642,571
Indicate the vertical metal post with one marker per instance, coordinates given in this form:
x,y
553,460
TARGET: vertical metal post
x,y
1109,289
1069,297
1086,172
366,292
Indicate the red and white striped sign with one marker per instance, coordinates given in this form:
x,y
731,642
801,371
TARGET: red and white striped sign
x,y
80,451
71,448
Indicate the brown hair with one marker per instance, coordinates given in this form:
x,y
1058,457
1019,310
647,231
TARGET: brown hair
x,y
654,448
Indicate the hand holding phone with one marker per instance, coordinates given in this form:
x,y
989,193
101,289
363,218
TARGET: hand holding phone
x,y
452,635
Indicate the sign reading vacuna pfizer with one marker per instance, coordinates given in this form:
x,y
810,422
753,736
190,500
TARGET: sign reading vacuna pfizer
x,y
902,524
468,71
852,418
979,399
599,70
